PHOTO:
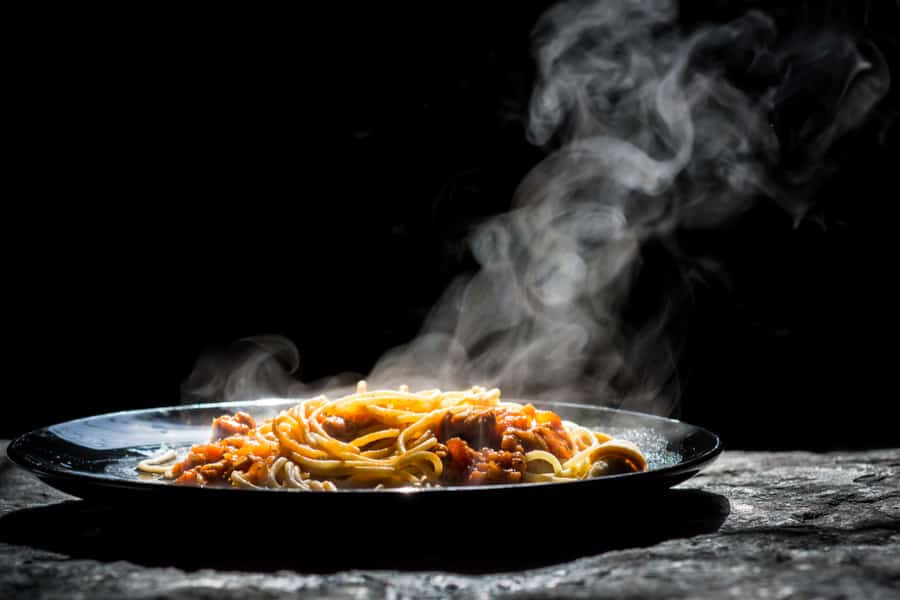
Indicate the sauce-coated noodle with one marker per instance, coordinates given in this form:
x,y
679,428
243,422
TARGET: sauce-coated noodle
x,y
393,438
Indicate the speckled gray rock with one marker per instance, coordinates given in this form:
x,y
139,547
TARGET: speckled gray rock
x,y
765,525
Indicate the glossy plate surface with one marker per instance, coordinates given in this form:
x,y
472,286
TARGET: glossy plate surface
x,y
96,457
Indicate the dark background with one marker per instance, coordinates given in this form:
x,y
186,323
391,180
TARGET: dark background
x,y
192,179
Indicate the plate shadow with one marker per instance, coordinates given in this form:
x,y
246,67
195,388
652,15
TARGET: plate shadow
x,y
492,540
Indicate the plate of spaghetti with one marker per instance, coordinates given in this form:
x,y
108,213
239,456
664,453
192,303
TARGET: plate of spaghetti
x,y
387,445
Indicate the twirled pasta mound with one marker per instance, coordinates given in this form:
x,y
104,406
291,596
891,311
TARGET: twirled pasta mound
x,y
395,438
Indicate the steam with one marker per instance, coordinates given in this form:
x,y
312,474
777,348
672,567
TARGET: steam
x,y
649,131
252,367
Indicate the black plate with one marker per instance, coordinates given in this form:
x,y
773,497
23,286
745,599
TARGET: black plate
x,y
95,458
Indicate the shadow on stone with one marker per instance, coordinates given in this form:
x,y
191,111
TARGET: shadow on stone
x,y
490,541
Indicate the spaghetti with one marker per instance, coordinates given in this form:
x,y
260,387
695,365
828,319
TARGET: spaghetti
x,y
396,438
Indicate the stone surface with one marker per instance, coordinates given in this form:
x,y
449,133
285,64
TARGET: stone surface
x,y
753,525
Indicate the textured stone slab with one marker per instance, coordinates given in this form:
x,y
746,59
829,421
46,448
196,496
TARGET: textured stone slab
x,y
754,525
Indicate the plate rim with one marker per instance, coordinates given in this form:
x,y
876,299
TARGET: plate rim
x,y
17,455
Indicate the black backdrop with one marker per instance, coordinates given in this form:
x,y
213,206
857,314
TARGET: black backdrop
x,y
194,179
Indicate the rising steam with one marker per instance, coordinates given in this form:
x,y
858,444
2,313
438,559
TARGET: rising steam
x,y
648,130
